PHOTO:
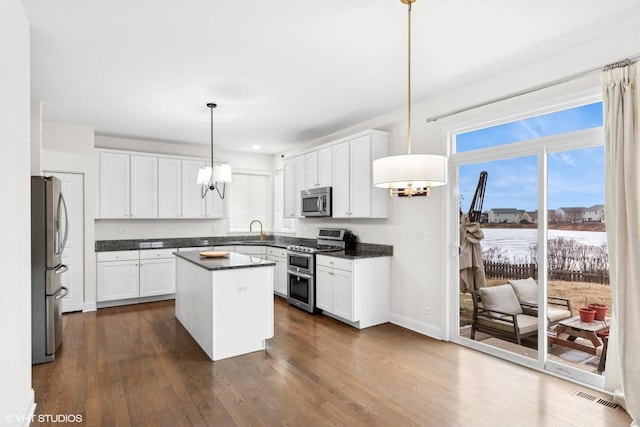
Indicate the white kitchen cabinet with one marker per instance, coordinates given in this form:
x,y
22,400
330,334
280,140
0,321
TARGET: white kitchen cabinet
x,y
341,191
157,272
114,185
357,292
289,189
279,256
354,195
311,170
299,182
325,167
123,275
193,205
118,275
169,188
216,207
144,186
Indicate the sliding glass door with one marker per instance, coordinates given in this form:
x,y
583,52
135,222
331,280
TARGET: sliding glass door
x,y
538,247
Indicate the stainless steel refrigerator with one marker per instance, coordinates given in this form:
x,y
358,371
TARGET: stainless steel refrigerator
x,y
49,230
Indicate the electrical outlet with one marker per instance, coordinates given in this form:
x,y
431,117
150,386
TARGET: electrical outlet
x,y
122,230
173,229
426,235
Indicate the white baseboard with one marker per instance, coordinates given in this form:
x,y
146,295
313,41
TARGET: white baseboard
x,y
419,327
89,306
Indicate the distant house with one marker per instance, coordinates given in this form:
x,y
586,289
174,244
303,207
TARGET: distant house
x,y
530,217
593,214
508,215
570,214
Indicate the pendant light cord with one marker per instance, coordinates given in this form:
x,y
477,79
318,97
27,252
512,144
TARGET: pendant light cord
x,y
211,107
409,81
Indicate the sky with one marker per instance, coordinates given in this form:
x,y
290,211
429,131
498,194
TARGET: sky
x,y
575,178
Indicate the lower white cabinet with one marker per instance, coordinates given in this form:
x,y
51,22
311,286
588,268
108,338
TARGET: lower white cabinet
x,y
133,274
279,256
356,291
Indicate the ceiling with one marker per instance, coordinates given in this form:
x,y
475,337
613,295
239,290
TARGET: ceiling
x,y
282,72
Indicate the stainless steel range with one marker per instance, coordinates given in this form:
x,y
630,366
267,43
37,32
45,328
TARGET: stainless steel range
x,y
301,267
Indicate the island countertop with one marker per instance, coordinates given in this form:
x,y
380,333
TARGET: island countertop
x,y
232,261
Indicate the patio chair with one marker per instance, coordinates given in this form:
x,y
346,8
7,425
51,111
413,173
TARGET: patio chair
x,y
497,312
527,293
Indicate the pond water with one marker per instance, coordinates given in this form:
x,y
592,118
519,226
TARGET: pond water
x,y
517,241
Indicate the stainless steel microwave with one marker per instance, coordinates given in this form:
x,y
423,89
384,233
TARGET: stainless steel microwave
x,y
316,202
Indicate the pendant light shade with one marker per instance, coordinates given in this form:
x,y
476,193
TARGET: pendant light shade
x,y
410,174
212,177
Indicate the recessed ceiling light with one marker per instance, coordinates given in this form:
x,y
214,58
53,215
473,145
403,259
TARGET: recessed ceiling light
x,y
255,147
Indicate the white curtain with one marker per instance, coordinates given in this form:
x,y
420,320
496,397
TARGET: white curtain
x,y
622,205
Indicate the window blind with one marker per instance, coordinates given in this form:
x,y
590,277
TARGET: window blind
x,y
249,200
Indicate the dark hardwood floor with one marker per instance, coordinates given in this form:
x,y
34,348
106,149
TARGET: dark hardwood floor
x,y
136,365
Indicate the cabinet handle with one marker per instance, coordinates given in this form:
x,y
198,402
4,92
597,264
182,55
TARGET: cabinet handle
x,y
331,273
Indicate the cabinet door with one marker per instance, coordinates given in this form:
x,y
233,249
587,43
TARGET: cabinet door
x,y
144,187
169,188
193,205
324,288
360,174
117,280
280,279
114,185
340,173
289,200
325,167
343,294
216,207
157,276
311,169
299,182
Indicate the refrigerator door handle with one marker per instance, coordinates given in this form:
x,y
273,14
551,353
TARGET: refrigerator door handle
x,y
63,293
66,222
62,269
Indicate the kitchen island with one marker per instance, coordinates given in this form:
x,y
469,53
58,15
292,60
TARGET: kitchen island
x,y
225,303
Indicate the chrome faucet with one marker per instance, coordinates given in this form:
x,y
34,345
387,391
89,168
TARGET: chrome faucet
x,y
261,233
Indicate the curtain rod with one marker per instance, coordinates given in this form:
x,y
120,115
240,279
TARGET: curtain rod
x,y
618,64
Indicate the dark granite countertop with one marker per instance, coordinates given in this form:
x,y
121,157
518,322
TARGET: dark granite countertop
x,y
361,250
233,261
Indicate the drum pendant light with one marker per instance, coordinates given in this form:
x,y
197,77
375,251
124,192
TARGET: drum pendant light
x,y
411,174
211,177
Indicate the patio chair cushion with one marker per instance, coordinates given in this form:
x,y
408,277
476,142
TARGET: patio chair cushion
x,y
500,298
526,290
526,324
555,313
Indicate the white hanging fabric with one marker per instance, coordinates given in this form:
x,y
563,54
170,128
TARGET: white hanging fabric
x,y
622,208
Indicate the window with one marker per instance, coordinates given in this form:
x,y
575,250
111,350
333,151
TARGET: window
x,y
249,200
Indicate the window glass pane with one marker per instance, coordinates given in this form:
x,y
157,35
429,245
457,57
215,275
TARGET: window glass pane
x,y
281,223
579,118
249,200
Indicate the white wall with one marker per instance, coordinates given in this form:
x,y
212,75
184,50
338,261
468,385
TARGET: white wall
x,y
69,148
424,272
167,228
16,394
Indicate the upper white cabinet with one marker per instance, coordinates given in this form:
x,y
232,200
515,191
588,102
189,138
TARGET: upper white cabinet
x,y
325,167
299,182
138,186
354,195
170,188
144,186
114,185
193,205
346,166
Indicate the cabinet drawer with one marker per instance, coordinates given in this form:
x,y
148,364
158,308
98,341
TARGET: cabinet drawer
x,y
157,253
333,262
117,256
277,252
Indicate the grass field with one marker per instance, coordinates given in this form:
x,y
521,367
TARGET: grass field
x,y
575,291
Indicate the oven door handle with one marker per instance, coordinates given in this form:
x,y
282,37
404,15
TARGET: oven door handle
x,y
297,274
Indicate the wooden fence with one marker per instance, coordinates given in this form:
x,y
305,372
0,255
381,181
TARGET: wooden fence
x,y
496,270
